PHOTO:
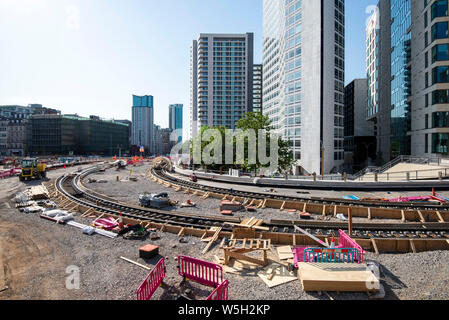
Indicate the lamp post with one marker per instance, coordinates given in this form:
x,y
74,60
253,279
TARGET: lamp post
x,y
322,160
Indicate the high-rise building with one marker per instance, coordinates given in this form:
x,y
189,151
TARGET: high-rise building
x,y
257,87
401,63
303,85
143,122
428,75
415,92
193,89
360,142
175,119
378,70
222,76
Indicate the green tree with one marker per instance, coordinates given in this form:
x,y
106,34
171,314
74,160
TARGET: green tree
x,y
251,121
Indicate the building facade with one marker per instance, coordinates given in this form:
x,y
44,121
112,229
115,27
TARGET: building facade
x,y
303,85
54,134
143,123
194,89
412,97
429,98
19,126
175,119
378,70
222,76
257,87
360,142
3,136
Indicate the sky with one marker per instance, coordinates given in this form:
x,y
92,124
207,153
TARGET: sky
x,y
90,56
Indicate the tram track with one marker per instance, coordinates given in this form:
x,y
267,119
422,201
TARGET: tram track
x,y
71,187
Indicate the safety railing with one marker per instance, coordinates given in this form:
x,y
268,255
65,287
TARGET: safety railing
x,y
220,293
345,241
203,272
335,255
9,173
152,281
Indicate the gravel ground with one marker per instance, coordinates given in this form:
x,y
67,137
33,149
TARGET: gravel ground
x,y
128,191
36,252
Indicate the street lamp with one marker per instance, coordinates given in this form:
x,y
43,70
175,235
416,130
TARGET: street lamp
x,y
322,160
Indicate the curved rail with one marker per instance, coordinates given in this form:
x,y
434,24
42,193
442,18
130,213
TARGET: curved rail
x,y
85,197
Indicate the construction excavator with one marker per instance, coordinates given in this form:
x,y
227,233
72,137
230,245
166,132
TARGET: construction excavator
x,y
32,168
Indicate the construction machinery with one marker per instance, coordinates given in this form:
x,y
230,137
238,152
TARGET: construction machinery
x,y
32,168
153,200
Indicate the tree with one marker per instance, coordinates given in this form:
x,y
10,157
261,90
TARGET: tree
x,y
248,126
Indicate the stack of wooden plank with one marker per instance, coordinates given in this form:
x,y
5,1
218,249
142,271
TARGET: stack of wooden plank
x,y
37,193
250,223
340,277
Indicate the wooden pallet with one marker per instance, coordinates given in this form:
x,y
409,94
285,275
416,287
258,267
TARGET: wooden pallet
x,y
237,248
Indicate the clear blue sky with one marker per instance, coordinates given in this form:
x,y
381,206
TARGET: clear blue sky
x,y
90,56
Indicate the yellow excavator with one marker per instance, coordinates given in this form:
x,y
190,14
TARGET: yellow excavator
x,y
33,169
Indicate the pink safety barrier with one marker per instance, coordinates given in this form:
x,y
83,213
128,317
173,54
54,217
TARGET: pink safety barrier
x,y
105,223
152,281
298,255
345,241
10,172
220,293
203,272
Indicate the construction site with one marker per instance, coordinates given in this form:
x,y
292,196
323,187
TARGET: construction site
x,y
151,229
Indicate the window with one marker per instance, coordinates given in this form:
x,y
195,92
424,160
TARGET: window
x,y
440,142
439,9
440,96
440,120
440,31
440,74
440,52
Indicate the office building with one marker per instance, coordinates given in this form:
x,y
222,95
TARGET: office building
x,y
378,70
18,129
222,76
360,142
175,119
303,79
54,134
415,96
257,87
143,123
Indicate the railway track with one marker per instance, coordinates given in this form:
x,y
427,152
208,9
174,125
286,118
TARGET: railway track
x,y
329,201
70,191
406,212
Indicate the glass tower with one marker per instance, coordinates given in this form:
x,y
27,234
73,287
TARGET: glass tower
x,y
175,119
303,79
401,77
143,122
